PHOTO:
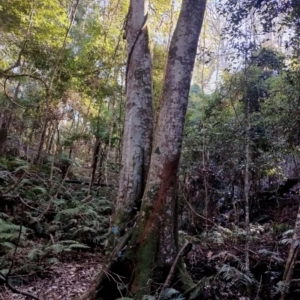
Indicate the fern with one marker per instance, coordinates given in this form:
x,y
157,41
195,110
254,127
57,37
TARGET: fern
x,y
171,294
36,253
25,181
213,236
271,255
84,229
40,189
233,275
73,223
52,261
285,241
4,178
69,211
9,227
100,239
288,233
60,202
9,232
7,246
199,287
280,287
65,246
21,168
167,294
3,216
82,221
4,271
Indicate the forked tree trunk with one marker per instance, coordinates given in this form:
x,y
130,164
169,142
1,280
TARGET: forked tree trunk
x,y
143,257
155,236
139,116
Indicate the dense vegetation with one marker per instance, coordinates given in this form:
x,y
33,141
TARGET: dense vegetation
x,y
62,98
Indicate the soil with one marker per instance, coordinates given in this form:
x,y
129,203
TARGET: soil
x,y
62,281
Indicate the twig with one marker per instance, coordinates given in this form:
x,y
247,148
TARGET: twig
x,y
7,77
17,243
14,185
40,217
202,217
217,227
6,278
258,290
13,289
91,293
172,270
26,204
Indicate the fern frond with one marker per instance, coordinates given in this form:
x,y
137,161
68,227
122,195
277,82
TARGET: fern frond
x,y
171,294
288,233
273,255
3,216
40,189
147,297
66,245
78,246
7,245
52,261
232,274
23,167
35,254
9,227
280,287
69,212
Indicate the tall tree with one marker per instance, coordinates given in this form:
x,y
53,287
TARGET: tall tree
x,y
152,244
139,116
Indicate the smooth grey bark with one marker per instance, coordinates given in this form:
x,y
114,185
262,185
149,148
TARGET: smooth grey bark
x,y
138,126
156,231
149,249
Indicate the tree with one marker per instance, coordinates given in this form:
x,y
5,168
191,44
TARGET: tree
x,y
287,12
291,259
150,247
139,116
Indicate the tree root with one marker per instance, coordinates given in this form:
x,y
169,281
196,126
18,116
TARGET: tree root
x,y
97,285
14,290
172,270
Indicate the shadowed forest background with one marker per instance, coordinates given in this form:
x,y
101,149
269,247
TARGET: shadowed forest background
x,y
63,86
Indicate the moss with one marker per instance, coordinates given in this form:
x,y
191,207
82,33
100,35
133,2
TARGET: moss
x,y
143,245
145,262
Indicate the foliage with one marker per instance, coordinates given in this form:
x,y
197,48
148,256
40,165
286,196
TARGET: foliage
x,y
62,95
72,223
9,234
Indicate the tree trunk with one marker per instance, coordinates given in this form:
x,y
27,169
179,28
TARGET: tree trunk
x,y
139,116
41,143
3,137
143,257
293,252
96,152
155,236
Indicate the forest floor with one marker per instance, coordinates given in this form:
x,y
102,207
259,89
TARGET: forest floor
x,y
55,260
62,281
215,260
